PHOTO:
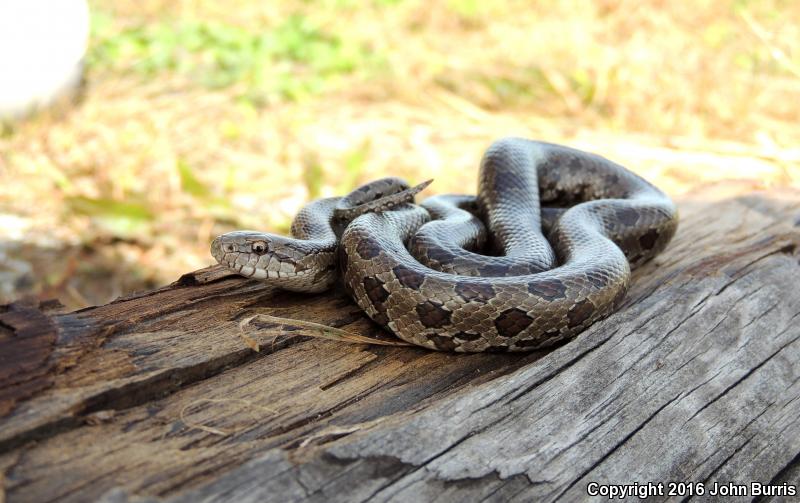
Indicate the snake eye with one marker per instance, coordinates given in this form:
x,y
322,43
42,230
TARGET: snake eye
x,y
259,247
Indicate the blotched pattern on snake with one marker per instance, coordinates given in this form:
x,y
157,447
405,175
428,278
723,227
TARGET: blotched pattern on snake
x,y
544,250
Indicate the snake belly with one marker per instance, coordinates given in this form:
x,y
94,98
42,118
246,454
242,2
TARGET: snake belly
x,y
436,276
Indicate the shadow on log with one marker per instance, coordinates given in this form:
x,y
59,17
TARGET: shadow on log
x,y
161,396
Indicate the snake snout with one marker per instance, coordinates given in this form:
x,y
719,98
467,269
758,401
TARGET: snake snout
x,y
216,249
220,246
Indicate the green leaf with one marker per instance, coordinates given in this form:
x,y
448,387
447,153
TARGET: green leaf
x,y
111,208
354,164
190,183
313,176
118,218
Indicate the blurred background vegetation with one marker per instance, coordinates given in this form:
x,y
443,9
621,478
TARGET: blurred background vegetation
x,y
199,117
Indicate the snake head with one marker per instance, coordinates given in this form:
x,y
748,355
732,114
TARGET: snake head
x,y
287,263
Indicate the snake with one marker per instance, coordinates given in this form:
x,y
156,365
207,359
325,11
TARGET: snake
x,y
543,250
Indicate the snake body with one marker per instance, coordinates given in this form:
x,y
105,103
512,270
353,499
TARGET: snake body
x,y
565,227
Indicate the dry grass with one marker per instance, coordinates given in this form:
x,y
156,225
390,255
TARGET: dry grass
x,y
153,163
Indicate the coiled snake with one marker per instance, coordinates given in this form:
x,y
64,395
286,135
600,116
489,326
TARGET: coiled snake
x,y
564,229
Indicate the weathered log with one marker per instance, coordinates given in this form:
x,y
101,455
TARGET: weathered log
x,y
161,396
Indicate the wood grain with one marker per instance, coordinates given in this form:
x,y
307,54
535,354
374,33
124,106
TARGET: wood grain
x,y
158,396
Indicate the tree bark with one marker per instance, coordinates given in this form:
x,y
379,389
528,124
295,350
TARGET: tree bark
x,y
161,396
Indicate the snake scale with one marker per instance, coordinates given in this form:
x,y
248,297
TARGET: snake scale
x,y
544,250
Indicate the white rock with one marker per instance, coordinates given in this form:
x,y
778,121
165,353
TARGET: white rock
x,y
42,45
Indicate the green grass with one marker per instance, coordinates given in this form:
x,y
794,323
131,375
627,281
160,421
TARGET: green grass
x,y
202,117
287,62
349,175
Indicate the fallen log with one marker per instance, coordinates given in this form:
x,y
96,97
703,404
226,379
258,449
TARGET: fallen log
x,y
180,394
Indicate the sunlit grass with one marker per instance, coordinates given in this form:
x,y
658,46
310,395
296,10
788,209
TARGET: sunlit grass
x,y
200,116
289,62
716,68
